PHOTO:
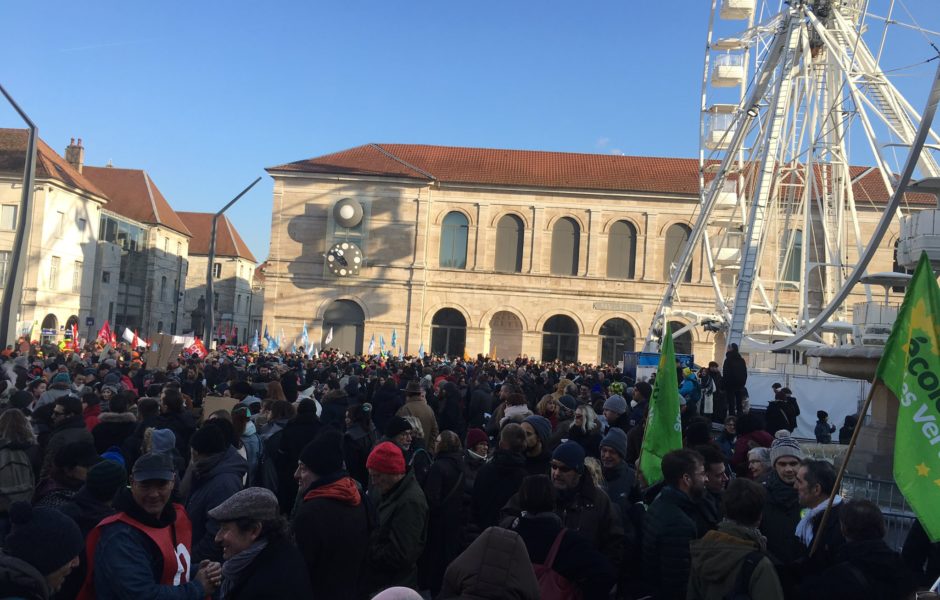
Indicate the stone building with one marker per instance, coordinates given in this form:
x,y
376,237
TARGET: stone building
x,y
504,252
256,319
153,244
63,229
233,269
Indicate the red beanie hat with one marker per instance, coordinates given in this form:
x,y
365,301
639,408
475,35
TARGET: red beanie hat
x,y
386,458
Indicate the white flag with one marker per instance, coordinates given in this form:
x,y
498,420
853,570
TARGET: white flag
x,y
329,337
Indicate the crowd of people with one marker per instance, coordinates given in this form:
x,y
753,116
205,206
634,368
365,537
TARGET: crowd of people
x,y
338,476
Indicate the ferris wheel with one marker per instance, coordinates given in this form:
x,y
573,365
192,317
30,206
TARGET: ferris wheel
x,y
799,120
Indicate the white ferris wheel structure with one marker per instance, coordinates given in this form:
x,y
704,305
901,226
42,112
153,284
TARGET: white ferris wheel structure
x,y
794,99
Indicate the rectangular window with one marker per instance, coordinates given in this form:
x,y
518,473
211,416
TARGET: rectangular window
x,y
4,265
60,223
166,245
8,216
81,225
54,273
217,270
106,277
238,303
77,277
215,301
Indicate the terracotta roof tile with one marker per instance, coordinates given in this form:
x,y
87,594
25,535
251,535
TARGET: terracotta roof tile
x,y
49,165
529,168
134,195
227,240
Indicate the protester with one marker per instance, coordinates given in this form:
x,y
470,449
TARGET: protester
x,y
537,455
671,525
782,511
332,521
758,464
401,532
40,551
144,550
358,442
261,561
68,428
815,481
496,567
417,406
498,480
720,555
734,376
716,479
68,473
444,492
114,426
297,433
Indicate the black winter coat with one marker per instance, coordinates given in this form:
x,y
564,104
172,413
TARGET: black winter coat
x,y
497,481
357,444
921,555
183,425
866,569
385,403
398,541
734,371
209,490
444,492
69,431
781,515
277,573
481,402
335,403
669,528
19,579
113,429
298,432
577,560
87,512
778,417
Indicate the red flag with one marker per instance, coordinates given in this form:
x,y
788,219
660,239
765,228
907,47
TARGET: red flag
x,y
105,333
135,344
75,344
198,349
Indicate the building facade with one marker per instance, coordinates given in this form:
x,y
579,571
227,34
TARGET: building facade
x,y
62,229
232,270
466,251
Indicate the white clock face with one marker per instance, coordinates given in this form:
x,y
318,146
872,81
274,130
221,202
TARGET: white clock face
x,y
344,259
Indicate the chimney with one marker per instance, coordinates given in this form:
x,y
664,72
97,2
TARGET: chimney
x,y
75,154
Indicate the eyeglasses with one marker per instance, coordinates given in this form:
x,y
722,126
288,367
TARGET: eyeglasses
x,y
562,468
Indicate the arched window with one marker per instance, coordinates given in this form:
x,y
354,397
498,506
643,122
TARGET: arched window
x,y
50,329
454,230
448,332
676,238
683,343
621,251
560,339
617,337
566,242
163,289
509,239
791,255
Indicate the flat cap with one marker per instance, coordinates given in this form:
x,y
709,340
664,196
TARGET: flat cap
x,y
251,503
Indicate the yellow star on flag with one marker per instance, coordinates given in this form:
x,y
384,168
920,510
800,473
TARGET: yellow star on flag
x,y
923,470
937,481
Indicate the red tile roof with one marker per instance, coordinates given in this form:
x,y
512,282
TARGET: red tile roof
x,y
227,240
529,168
509,167
49,165
134,195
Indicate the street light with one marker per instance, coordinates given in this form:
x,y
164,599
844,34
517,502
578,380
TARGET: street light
x,y
210,272
13,288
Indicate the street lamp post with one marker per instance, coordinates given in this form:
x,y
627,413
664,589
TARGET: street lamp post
x,y
13,288
210,273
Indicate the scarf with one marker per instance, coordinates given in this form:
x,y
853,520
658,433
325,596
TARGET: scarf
x,y
232,568
804,529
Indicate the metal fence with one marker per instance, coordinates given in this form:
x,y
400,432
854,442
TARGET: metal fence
x,y
885,493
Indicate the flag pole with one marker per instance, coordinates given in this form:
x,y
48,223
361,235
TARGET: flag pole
x,y
817,536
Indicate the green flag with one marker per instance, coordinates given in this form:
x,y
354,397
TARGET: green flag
x,y
910,367
663,423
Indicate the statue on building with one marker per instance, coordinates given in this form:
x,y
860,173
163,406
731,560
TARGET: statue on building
x,y
198,316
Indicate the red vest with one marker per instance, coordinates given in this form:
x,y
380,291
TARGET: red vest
x,y
173,548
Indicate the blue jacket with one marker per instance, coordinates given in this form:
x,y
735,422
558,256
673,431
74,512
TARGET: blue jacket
x,y
208,491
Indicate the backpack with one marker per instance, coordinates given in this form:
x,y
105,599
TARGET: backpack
x,y
552,585
17,481
742,586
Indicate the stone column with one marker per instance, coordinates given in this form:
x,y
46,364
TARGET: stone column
x,y
646,266
589,348
592,246
535,246
532,344
481,238
474,342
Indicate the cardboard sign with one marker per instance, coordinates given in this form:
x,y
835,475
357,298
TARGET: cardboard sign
x,y
210,404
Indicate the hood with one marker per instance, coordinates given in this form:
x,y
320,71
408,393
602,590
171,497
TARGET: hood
x,y
343,490
495,566
19,579
250,429
110,417
717,556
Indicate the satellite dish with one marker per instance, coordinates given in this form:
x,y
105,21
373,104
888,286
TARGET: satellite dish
x,y
348,213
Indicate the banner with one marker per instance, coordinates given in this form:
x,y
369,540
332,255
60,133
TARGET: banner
x,y
910,368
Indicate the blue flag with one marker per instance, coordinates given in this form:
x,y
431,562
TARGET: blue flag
x,y
304,338
255,343
401,352
266,336
371,346
381,344
421,351
394,338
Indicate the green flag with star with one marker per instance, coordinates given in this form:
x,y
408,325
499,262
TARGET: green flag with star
x,y
910,367
663,422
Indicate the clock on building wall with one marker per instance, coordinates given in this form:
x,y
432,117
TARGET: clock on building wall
x,y
344,259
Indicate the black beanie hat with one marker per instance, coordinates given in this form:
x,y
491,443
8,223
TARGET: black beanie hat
x,y
208,439
105,479
324,455
396,425
43,537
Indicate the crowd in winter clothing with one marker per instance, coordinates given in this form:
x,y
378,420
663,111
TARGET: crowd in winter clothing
x,y
357,477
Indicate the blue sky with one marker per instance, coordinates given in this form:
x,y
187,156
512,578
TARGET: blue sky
x,y
204,95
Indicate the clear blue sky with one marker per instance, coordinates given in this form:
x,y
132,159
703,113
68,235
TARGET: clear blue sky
x,y
204,95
